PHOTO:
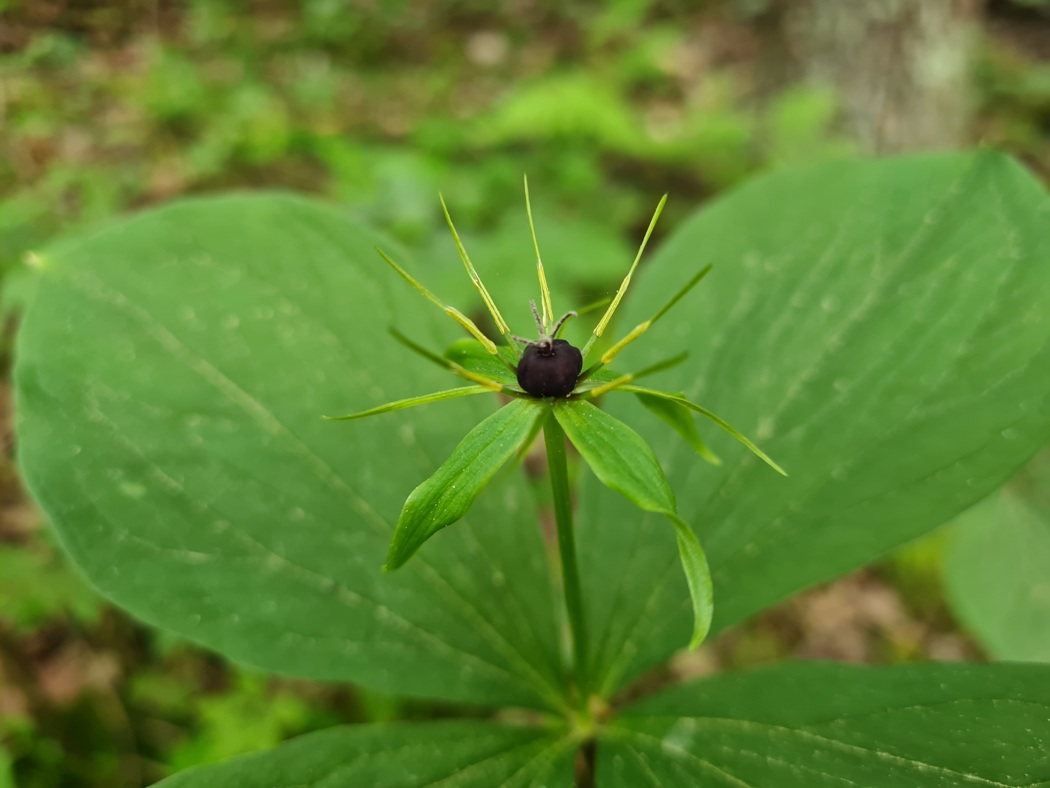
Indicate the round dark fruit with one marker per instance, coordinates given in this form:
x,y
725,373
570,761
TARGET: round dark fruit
x,y
550,371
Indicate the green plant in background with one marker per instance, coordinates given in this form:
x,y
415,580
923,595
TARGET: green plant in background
x,y
880,328
241,720
36,585
995,569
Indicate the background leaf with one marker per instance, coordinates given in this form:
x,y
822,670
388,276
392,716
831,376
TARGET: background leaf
x,y
476,753
997,567
172,373
813,724
880,329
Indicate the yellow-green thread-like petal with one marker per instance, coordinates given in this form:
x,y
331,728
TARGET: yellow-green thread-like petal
x,y
501,324
641,328
636,332
612,384
451,311
411,279
469,324
545,291
604,322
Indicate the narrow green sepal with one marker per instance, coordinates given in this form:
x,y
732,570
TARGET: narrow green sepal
x,y
618,455
411,402
446,496
623,461
604,322
497,318
451,311
708,414
681,420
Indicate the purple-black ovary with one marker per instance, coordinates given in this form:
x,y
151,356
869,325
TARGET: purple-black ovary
x,y
550,372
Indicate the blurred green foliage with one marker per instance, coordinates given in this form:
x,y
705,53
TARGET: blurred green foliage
x,y
1014,89
37,583
243,718
312,97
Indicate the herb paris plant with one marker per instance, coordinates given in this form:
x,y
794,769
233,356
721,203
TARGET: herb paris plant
x,y
553,393
880,326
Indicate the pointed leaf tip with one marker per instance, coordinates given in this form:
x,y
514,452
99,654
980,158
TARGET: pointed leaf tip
x,y
697,577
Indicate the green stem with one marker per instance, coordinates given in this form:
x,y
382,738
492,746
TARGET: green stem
x,y
554,437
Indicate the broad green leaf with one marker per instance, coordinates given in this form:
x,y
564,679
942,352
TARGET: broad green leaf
x,y
997,568
880,328
474,753
681,421
172,374
824,724
623,462
446,496
411,402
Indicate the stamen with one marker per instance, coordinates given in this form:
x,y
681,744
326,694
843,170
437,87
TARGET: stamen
x,y
545,291
451,311
600,328
641,328
501,324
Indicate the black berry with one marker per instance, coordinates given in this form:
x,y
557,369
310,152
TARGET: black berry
x,y
550,371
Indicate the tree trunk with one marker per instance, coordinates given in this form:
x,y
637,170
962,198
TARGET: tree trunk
x,y
901,68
